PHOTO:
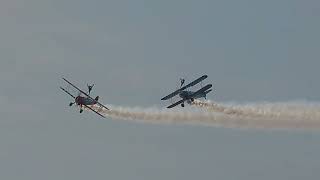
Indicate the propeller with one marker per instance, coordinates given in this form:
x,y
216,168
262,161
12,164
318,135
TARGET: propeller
x,y
72,103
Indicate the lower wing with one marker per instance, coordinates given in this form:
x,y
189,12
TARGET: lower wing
x,y
176,104
95,111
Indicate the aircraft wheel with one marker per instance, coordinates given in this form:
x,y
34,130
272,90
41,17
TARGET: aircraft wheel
x,y
81,110
182,105
71,104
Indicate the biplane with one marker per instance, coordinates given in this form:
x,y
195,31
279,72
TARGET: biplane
x,y
189,96
83,99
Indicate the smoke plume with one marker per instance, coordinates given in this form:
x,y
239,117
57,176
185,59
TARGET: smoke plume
x,y
297,115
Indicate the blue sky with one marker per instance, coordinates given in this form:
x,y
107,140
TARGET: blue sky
x,y
135,51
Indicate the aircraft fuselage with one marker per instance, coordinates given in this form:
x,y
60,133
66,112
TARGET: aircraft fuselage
x,y
85,101
188,95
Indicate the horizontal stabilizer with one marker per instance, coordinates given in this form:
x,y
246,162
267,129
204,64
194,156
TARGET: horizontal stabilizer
x,y
208,91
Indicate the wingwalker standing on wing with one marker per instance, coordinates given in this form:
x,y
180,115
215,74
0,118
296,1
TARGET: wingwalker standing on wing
x,y
84,99
90,88
189,96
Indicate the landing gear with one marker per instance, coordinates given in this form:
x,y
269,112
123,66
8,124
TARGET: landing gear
x,y
192,100
182,105
71,104
81,110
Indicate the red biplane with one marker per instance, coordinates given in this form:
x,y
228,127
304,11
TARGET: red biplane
x,y
84,99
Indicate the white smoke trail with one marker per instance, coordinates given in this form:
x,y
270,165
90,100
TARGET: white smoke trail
x,y
291,110
266,115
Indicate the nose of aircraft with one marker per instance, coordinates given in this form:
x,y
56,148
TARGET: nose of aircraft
x,y
77,100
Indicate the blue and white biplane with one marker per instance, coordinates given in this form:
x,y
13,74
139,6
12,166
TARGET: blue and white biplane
x,y
189,96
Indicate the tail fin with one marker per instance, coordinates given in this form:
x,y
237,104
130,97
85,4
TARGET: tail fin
x,y
206,92
97,98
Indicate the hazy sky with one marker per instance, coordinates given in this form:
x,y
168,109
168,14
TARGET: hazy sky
x,y
135,51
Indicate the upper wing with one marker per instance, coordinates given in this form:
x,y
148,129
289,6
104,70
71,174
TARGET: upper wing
x,y
177,103
201,90
76,88
185,87
194,82
95,111
84,93
67,92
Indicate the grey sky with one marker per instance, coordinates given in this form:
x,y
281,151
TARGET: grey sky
x,y
135,51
